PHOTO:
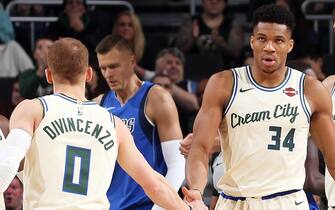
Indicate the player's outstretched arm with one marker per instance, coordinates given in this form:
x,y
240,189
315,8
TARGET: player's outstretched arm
x,y
154,185
22,125
169,131
322,127
205,130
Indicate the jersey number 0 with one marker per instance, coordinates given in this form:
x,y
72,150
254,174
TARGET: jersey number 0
x,y
77,168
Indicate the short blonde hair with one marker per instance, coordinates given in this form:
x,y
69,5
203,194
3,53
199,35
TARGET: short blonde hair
x,y
68,58
138,40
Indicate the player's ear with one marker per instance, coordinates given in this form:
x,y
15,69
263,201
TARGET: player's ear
x,y
89,74
291,44
48,75
133,60
251,42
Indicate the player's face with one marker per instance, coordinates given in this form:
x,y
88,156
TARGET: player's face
x,y
13,195
124,27
270,42
117,67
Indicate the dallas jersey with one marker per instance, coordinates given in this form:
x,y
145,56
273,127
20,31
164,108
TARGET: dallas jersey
x,y
264,134
124,192
71,160
329,181
2,202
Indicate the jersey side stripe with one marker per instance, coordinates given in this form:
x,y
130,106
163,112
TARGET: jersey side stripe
x,y
44,103
302,97
235,81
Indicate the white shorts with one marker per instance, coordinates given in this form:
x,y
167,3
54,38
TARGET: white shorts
x,y
293,201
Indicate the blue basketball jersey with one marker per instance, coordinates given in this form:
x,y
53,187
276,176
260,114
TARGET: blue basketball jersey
x,y
124,193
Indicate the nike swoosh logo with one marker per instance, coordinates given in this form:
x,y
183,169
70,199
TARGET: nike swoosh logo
x,y
298,203
218,164
245,90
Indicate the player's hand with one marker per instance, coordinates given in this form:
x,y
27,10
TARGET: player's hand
x,y
185,145
198,205
191,195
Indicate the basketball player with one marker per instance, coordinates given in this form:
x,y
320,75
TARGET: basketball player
x,y
70,144
3,133
329,83
264,113
150,114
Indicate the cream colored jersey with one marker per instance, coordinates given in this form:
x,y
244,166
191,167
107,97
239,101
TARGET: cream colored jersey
x,y
265,134
2,202
71,160
329,181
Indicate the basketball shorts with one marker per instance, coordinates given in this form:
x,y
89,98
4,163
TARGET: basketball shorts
x,y
288,200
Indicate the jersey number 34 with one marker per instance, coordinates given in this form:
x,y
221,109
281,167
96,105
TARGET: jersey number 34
x,y
277,139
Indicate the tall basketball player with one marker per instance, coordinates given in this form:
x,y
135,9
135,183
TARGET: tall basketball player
x,y
150,114
71,145
264,113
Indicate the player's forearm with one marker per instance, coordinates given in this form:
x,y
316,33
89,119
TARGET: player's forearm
x,y
161,193
185,99
197,168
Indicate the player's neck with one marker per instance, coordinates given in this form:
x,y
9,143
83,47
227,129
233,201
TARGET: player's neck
x,y
73,91
268,79
130,89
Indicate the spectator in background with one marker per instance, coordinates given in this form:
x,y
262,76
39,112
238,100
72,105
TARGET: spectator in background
x,y
74,21
14,195
33,83
128,25
16,97
92,86
14,60
170,62
23,29
311,55
211,32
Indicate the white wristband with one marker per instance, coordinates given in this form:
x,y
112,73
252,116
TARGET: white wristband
x,y
12,151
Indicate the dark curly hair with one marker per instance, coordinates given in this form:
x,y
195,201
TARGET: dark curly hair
x,y
271,13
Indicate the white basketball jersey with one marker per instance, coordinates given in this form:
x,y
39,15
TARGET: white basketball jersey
x,y
265,134
329,181
2,202
71,159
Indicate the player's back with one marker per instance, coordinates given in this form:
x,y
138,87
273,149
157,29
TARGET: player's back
x,y
72,156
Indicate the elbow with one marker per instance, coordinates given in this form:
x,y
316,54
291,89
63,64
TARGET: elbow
x,y
315,185
153,187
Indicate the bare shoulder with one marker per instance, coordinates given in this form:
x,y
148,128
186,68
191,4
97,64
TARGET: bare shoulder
x,y
329,82
220,86
160,104
316,94
159,96
27,115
